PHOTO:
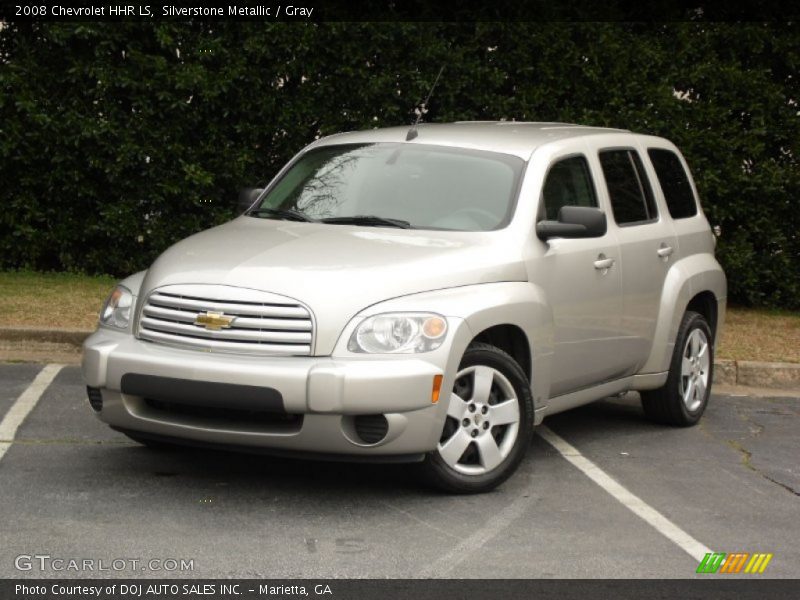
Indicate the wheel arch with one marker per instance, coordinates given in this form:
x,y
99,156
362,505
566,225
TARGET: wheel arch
x,y
706,304
517,318
512,340
695,283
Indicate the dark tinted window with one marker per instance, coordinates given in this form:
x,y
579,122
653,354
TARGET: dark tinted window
x,y
568,183
674,183
628,188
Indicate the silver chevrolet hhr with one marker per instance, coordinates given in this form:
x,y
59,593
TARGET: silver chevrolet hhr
x,y
424,295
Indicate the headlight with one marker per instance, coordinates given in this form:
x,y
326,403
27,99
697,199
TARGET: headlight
x,y
117,309
399,333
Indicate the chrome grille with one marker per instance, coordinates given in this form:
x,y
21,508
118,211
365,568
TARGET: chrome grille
x,y
262,323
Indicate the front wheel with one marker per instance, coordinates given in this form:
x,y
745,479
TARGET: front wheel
x,y
488,426
683,398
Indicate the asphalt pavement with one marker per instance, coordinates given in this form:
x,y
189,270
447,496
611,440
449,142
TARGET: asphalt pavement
x,y
72,490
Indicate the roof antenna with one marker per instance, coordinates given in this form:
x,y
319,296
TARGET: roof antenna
x,y
423,109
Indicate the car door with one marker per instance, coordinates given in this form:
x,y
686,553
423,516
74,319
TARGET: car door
x,y
647,246
583,284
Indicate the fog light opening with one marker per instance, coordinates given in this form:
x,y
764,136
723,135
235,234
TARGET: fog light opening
x,y
95,398
371,429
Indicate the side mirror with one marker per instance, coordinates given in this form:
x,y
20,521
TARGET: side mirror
x,y
247,197
574,222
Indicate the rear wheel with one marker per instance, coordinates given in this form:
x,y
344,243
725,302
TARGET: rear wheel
x,y
684,397
488,426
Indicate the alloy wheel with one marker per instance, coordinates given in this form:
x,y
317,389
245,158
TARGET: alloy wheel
x,y
694,370
482,421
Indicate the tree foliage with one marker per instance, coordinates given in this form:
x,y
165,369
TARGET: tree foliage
x,y
118,139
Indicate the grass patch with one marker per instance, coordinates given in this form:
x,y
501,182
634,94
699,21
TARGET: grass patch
x,y
59,300
68,301
760,334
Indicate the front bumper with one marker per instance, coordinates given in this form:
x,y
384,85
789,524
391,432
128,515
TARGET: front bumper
x,y
319,399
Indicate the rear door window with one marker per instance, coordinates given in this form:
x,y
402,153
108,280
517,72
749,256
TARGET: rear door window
x,y
629,189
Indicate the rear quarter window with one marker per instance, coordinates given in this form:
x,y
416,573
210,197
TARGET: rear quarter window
x,y
674,183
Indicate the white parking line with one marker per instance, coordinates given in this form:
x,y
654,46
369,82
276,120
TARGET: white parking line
x,y
24,405
632,502
448,563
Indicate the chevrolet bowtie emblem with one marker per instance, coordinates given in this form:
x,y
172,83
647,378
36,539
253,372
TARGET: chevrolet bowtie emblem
x,y
213,321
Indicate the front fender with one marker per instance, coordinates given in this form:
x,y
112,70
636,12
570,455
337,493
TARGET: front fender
x,y
474,309
134,282
685,279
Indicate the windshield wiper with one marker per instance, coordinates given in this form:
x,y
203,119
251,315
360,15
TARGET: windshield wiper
x,y
368,220
290,214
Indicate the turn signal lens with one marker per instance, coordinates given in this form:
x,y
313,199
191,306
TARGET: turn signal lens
x,y
437,387
434,327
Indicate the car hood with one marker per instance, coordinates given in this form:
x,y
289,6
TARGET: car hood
x,y
336,270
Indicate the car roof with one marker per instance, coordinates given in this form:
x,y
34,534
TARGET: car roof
x,y
518,138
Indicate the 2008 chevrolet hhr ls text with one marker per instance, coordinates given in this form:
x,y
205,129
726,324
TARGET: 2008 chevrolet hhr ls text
x,y
426,295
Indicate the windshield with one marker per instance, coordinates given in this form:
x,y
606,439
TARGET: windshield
x,y
417,186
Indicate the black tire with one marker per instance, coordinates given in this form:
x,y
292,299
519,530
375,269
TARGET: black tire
x,y
445,477
666,405
150,443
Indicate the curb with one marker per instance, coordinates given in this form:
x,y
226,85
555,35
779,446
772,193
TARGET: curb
x,y
780,376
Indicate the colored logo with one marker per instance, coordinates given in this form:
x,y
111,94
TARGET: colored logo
x,y
735,562
213,321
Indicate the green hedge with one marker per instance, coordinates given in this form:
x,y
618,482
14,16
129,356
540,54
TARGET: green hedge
x,y
117,139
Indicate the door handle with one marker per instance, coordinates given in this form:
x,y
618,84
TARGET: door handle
x,y
602,263
665,251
